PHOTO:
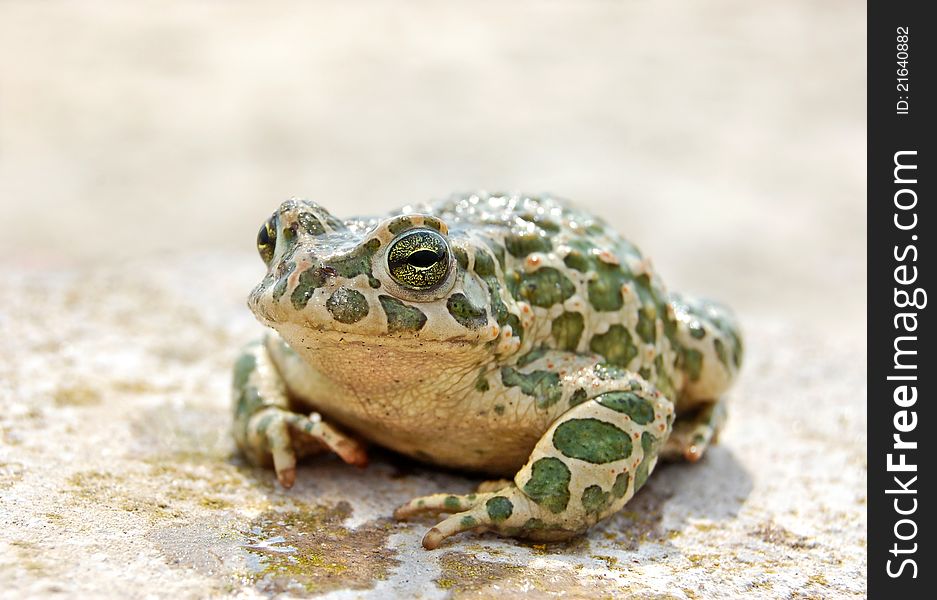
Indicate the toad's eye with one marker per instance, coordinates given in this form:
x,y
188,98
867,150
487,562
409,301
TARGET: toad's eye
x,y
419,259
267,239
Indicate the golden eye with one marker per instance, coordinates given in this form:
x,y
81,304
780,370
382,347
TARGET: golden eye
x,y
267,239
419,259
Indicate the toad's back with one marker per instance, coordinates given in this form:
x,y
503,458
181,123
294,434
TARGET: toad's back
x,y
587,288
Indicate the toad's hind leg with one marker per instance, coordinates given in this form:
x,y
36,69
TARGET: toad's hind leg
x,y
709,346
709,343
265,427
587,465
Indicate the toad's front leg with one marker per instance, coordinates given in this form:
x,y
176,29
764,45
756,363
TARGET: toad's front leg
x,y
587,465
265,427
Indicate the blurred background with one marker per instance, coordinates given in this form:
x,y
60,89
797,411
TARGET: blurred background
x,y
726,138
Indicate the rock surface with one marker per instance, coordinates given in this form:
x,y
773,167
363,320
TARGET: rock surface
x,y
117,471
141,147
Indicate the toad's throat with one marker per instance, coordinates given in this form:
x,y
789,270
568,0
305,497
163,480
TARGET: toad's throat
x,y
369,366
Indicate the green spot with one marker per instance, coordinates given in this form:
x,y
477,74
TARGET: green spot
x,y
243,368
664,383
399,224
659,363
452,502
605,287
468,522
651,296
697,331
264,423
461,257
311,224
649,443
728,340
592,440
620,487
467,315
615,346
248,399
500,312
595,229
248,402
481,382
533,524
578,397
567,329
542,222
358,262
484,263
730,334
547,225
499,409
544,287
543,386
640,410
485,268
605,283
549,484
498,251
647,323
594,500
347,306
693,363
400,316
721,352
531,356
289,235
521,245
499,508
284,277
309,281
737,350
578,261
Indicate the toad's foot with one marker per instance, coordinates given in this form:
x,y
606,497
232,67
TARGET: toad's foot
x,y
265,428
285,435
507,511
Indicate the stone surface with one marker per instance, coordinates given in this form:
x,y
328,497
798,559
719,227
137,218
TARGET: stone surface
x,y
141,147
117,471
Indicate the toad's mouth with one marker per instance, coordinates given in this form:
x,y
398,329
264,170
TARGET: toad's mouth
x,y
362,313
318,337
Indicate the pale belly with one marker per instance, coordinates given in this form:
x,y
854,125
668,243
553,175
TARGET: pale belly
x,y
430,415
455,440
